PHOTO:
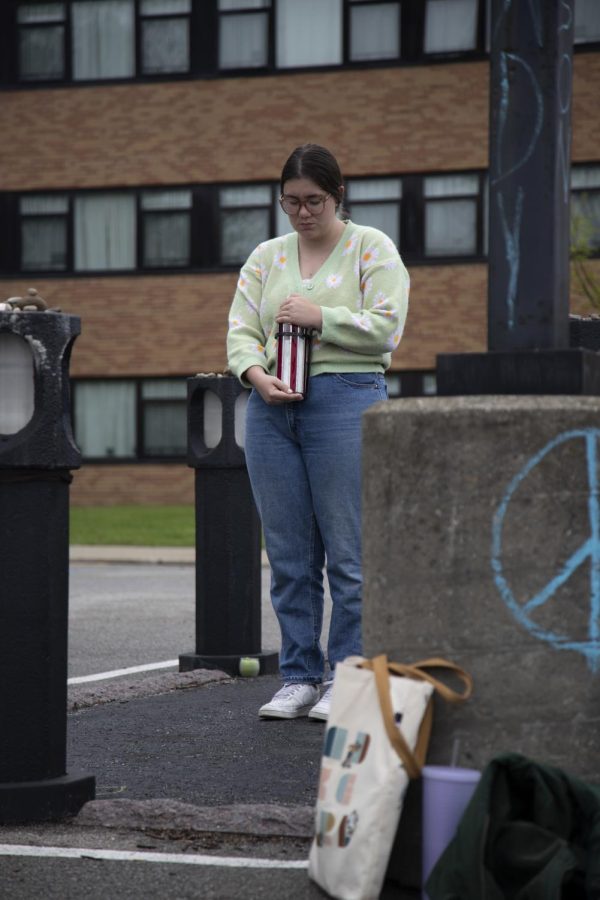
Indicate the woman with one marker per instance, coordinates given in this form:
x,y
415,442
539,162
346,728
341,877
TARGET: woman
x,y
348,283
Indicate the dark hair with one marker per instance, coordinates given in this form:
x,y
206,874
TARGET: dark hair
x,y
317,163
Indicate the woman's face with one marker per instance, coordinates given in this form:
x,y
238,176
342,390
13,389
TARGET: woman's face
x,y
310,209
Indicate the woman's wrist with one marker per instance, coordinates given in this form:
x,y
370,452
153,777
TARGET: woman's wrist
x,y
254,374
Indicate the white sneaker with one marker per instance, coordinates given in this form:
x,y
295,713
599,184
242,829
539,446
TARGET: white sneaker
x,y
321,709
290,702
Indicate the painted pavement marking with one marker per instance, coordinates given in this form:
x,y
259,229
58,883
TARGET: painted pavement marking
x,y
116,673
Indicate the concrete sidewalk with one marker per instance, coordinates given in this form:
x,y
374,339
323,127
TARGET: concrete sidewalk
x,y
93,553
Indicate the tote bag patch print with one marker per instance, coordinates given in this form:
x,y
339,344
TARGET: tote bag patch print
x,y
340,751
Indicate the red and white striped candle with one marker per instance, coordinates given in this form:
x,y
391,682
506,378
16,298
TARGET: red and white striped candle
x,y
293,356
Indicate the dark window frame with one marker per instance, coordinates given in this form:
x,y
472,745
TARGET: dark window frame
x,y
203,33
141,403
141,18
267,11
586,45
144,215
481,31
205,230
349,5
20,27
206,233
66,217
594,191
391,201
252,207
140,267
477,198
10,16
412,205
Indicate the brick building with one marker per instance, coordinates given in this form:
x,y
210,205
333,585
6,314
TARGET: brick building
x,y
138,134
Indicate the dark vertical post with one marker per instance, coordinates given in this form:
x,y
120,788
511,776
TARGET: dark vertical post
x,y
530,163
35,461
228,532
530,168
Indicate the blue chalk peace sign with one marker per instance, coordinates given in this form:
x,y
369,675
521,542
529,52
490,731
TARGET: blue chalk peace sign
x,y
589,550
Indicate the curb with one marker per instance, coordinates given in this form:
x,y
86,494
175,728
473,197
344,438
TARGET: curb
x,y
120,690
167,817
79,553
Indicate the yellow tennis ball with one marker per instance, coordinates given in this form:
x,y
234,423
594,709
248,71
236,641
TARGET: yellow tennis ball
x,y
249,667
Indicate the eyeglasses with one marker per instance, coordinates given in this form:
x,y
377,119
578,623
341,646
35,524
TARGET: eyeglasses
x,y
314,205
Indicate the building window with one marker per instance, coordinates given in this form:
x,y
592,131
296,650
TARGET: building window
x,y
95,40
585,206
587,21
165,36
129,419
245,214
450,26
429,384
376,202
392,380
308,33
166,228
214,226
244,33
105,421
164,418
44,223
407,383
374,31
451,213
103,39
282,220
105,231
41,41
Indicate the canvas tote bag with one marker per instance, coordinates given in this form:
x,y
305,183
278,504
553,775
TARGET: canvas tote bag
x,y
376,739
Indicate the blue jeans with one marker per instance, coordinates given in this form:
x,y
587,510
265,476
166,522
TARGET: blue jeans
x,y
304,462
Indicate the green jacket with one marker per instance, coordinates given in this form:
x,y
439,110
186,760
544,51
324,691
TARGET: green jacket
x,y
362,289
530,832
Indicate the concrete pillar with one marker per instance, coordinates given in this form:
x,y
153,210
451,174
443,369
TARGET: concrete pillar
x,y
481,524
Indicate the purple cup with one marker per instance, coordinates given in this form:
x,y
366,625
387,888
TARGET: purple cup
x,y
446,793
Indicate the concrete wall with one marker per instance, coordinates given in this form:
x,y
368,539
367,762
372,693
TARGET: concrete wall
x,y
482,544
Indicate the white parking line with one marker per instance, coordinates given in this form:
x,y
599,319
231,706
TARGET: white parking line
x,y
230,862
115,673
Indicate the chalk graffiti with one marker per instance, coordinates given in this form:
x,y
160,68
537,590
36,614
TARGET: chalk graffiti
x,y
588,551
535,10
512,236
517,136
565,7
565,78
536,125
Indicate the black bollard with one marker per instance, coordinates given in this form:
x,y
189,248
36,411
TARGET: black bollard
x,y
228,533
37,452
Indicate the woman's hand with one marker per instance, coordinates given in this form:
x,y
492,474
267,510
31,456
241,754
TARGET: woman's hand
x,y
271,389
297,310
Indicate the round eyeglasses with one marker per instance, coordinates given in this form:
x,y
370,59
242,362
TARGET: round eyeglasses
x,y
314,205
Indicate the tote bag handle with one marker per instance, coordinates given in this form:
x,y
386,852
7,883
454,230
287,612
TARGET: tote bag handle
x,y
413,762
